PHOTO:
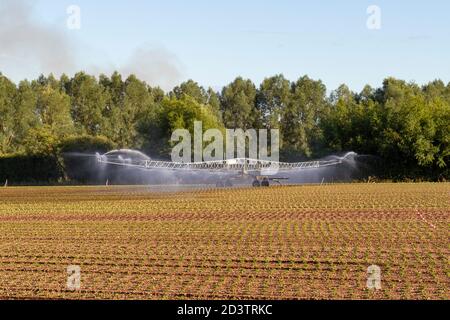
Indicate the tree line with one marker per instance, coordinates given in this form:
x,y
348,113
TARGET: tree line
x,y
403,125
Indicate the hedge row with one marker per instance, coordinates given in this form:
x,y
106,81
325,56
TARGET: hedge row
x,y
33,169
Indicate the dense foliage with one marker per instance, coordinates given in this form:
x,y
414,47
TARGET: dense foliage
x,y
404,125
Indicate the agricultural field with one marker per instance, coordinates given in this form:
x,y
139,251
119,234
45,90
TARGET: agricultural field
x,y
292,242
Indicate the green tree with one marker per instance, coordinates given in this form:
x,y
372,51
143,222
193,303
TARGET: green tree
x,y
42,141
273,97
7,134
192,89
53,109
437,95
337,123
199,94
50,81
238,102
88,101
214,101
409,128
177,114
25,117
352,123
138,104
115,87
300,120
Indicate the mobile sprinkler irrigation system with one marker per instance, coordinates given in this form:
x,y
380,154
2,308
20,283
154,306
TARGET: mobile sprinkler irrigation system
x,y
260,172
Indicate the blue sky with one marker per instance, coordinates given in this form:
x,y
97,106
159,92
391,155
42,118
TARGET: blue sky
x,y
212,42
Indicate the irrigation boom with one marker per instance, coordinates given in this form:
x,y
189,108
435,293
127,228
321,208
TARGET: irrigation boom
x,y
260,170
